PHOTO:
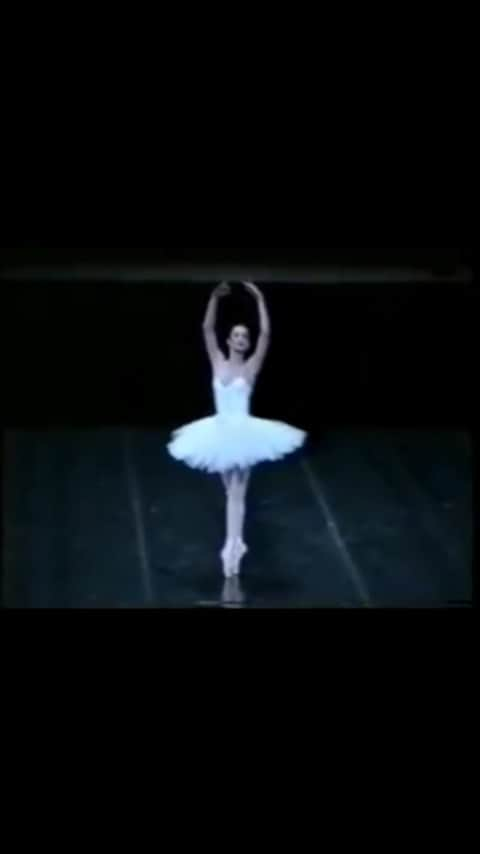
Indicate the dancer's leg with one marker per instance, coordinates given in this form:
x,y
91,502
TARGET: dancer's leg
x,y
226,555
238,492
236,485
241,478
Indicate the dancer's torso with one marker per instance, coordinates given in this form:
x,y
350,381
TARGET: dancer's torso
x,y
233,387
232,398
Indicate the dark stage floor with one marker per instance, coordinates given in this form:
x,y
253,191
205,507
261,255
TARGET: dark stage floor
x,y
106,519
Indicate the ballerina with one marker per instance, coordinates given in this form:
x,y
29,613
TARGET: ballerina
x,y
231,442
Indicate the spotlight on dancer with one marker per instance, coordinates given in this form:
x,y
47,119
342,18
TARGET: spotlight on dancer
x,y
232,441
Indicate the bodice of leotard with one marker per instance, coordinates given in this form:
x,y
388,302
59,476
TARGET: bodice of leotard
x,y
232,398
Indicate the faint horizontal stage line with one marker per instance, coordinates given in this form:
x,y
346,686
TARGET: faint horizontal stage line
x,y
212,273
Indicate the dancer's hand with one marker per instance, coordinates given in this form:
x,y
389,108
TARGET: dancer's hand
x,y
253,290
223,290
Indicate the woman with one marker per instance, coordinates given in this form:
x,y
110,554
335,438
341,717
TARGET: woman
x,y
233,441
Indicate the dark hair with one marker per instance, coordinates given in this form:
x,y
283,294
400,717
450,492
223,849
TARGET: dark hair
x,y
236,325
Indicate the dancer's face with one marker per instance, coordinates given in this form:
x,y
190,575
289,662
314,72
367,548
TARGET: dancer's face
x,y
239,341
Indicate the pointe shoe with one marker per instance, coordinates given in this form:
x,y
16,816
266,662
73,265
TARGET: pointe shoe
x,y
239,553
227,559
232,594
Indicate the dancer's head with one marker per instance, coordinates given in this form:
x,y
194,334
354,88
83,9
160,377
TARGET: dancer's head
x,y
239,340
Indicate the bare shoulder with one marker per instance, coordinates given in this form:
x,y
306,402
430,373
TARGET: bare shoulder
x,y
218,364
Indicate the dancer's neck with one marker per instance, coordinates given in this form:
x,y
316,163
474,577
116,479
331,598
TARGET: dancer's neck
x,y
236,359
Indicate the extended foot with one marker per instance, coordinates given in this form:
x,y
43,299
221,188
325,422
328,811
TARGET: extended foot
x,y
239,552
227,556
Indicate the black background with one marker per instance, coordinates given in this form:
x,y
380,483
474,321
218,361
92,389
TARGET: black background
x,y
103,352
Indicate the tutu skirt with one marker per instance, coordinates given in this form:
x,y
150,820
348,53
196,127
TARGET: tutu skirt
x,y
223,442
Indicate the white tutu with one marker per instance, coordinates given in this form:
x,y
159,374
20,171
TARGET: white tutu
x,y
233,438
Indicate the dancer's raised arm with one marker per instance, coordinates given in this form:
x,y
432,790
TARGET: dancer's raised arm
x,y
256,361
209,323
